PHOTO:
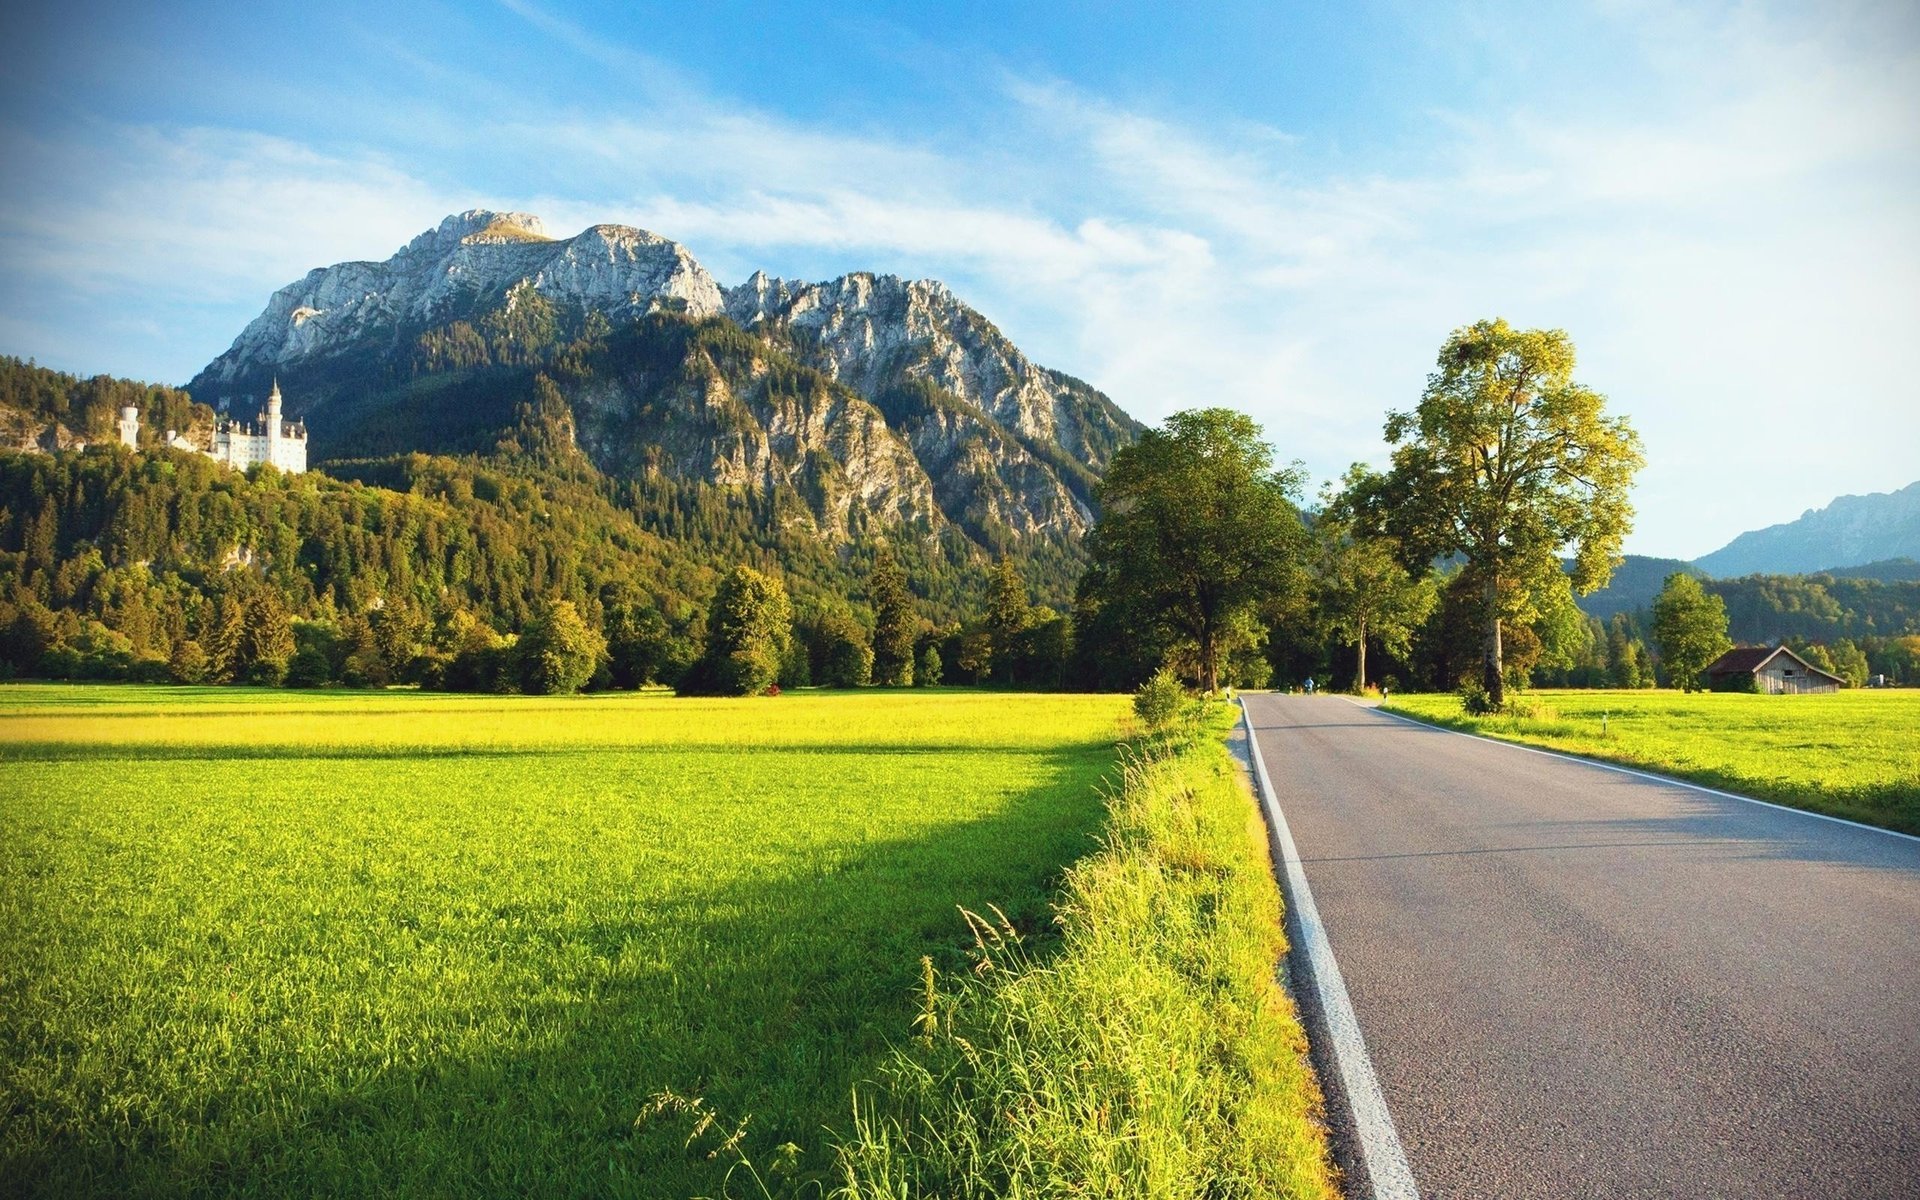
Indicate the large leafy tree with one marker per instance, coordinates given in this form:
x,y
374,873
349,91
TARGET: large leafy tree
x,y
1690,624
749,635
559,651
1508,463
1197,531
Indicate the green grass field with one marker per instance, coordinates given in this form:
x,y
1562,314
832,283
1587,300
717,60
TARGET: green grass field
x,y
275,943
1853,754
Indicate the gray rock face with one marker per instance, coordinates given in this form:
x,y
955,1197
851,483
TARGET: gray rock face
x,y
470,261
872,332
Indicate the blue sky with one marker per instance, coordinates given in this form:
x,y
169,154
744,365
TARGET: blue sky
x,y
1279,207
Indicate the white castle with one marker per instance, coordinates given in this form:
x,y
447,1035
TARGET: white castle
x,y
239,443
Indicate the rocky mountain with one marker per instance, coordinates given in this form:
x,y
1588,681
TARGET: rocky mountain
x,y
860,402
473,263
1848,532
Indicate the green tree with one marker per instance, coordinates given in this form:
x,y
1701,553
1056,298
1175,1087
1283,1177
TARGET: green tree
x,y
895,624
1197,529
1506,462
1690,625
266,639
846,660
1850,662
558,650
749,634
188,664
1008,614
1623,665
927,673
637,640
221,639
1361,590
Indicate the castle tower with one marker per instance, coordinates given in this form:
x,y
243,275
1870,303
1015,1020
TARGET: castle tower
x,y
273,424
129,426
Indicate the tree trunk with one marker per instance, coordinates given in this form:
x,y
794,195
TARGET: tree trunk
x,y
1360,676
1209,670
1494,678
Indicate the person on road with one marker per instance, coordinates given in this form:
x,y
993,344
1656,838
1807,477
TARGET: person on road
x,y
1309,685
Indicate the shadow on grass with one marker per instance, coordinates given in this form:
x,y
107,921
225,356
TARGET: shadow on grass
x,y
769,999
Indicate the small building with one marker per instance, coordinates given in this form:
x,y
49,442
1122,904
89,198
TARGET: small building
x,y
1771,670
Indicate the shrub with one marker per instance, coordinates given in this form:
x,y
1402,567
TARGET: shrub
x,y
1475,700
1160,700
309,668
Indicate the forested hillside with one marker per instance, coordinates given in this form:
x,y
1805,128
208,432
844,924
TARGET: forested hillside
x,y
114,563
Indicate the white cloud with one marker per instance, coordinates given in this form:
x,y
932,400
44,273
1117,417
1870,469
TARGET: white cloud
x,y
1731,266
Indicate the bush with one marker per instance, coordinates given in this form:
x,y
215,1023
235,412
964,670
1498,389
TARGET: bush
x,y
309,668
1475,701
1160,700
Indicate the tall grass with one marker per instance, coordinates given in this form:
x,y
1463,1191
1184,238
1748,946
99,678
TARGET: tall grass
x,y
1152,1053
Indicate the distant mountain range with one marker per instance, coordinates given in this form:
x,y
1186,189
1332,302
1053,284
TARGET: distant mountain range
x,y
1875,536
859,404
1851,531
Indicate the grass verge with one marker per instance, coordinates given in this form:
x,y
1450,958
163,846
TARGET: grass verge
x,y
1850,754
1152,1053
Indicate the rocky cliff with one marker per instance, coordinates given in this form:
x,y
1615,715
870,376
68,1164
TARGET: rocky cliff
x,y
865,401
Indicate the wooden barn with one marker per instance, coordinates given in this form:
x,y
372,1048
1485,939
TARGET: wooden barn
x,y
1772,670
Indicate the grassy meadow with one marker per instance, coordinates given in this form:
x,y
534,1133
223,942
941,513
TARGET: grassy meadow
x,y
273,943
1852,754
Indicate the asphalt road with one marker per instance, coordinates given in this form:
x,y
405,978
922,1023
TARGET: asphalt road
x,y
1573,982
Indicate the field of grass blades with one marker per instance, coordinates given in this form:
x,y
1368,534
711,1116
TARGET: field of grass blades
x,y
1851,754
1152,1053
272,943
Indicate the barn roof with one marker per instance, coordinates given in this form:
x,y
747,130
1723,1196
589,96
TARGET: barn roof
x,y
1748,659
1741,658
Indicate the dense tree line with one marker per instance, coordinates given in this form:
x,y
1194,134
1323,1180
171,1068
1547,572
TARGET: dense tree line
x,y
490,575
38,400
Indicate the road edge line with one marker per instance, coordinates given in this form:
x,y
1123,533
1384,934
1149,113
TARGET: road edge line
x,y
1655,776
1385,1160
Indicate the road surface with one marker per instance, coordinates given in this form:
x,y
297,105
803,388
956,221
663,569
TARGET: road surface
x,y
1574,982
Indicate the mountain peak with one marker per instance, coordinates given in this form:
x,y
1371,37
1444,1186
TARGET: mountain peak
x,y
459,269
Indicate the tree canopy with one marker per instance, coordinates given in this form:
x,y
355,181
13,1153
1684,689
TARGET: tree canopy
x,y
1198,530
1691,627
1508,462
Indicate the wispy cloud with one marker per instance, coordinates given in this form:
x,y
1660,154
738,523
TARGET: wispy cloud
x,y
1717,251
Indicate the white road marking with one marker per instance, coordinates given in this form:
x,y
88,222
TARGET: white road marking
x,y
1649,775
1380,1150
